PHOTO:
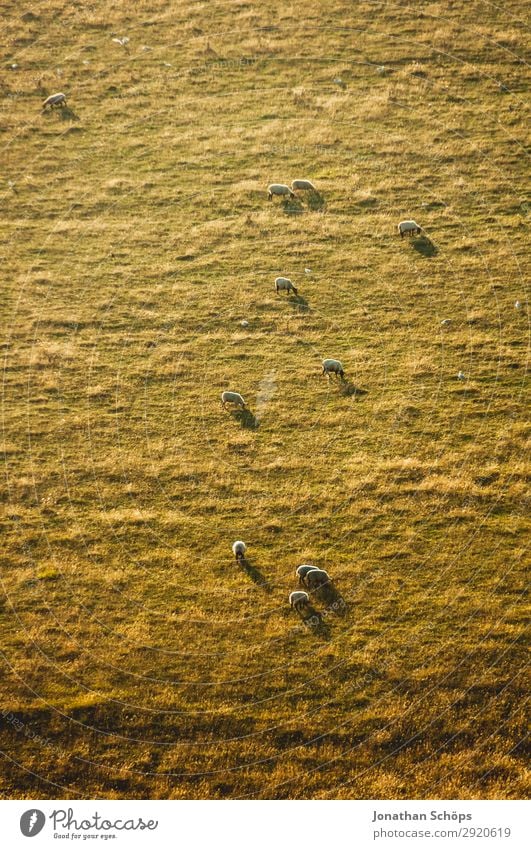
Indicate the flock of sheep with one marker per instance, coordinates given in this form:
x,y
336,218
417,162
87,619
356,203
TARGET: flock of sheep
x,y
284,284
317,581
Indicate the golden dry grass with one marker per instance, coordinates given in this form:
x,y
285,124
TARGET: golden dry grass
x,y
137,660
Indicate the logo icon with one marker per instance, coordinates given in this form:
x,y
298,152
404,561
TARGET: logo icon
x,y
32,822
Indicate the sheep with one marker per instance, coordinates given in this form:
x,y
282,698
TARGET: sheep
x,y
299,601
232,398
409,227
58,99
302,571
238,549
333,367
315,578
279,189
284,284
303,185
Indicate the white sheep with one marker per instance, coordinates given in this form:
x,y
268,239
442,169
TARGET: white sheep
x,y
316,578
409,227
303,185
58,99
232,398
333,367
299,601
279,189
284,284
302,571
238,549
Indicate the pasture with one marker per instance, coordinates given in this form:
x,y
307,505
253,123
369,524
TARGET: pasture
x,y
138,659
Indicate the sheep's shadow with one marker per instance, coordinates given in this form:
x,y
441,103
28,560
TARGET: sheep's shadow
x,y
64,113
348,390
246,419
330,596
254,574
315,201
299,303
424,246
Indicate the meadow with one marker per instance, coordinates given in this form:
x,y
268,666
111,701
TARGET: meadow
x,y
137,660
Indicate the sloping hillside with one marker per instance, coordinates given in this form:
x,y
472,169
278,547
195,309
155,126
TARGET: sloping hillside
x,y
137,659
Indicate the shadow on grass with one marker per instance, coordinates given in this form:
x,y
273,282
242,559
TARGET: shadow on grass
x,y
424,246
348,390
254,574
65,114
246,419
292,206
299,303
330,596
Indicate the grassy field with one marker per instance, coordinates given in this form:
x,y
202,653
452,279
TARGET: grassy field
x,y
137,660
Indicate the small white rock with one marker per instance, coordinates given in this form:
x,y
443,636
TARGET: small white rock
x,y
445,322
518,305
244,323
461,375
381,69
308,270
14,66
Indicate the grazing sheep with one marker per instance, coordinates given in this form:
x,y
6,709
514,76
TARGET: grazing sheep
x,y
58,99
303,185
316,578
279,189
299,601
283,284
333,367
409,227
232,398
302,571
238,549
